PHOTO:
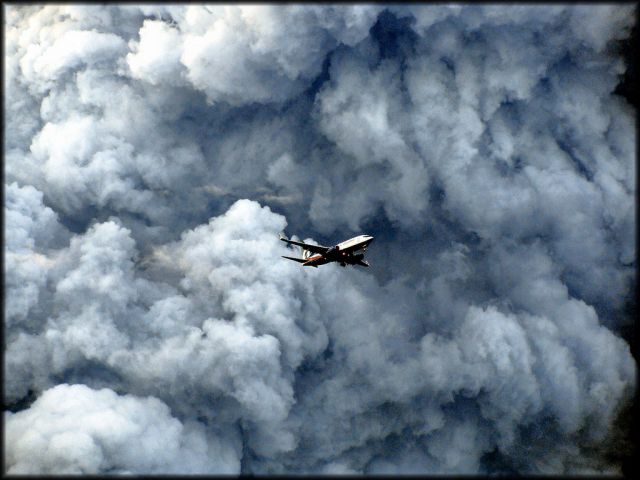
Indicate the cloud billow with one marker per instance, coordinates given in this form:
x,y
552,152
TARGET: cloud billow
x,y
154,153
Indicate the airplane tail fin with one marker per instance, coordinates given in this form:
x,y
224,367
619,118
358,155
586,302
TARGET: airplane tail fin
x,y
305,253
364,263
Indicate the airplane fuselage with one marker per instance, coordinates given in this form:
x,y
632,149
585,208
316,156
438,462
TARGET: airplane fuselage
x,y
349,252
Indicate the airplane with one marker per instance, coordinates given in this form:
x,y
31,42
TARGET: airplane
x,y
349,252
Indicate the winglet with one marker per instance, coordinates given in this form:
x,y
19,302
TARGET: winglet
x,y
282,236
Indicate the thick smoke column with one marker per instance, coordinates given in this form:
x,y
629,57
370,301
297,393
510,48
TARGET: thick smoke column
x,y
152,156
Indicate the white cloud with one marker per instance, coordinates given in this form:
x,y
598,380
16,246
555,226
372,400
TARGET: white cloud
x,y
156,58
72,429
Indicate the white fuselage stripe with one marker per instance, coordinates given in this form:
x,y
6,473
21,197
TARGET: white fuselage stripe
x,y
352,242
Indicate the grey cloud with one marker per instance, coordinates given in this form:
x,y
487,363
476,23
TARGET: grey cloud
x,y
153,155
361,122
31,229
250,53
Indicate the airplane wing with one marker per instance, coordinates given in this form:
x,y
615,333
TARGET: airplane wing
x,y
299,260
307,246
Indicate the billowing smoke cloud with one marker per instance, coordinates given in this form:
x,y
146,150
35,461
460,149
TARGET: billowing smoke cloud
x,y
152,155
80,430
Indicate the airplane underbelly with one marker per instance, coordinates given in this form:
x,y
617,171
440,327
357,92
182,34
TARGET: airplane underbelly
x,y
316,260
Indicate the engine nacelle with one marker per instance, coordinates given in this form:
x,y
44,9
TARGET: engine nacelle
x,y
332,251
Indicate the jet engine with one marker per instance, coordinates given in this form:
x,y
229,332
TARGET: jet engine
x,y
332,251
